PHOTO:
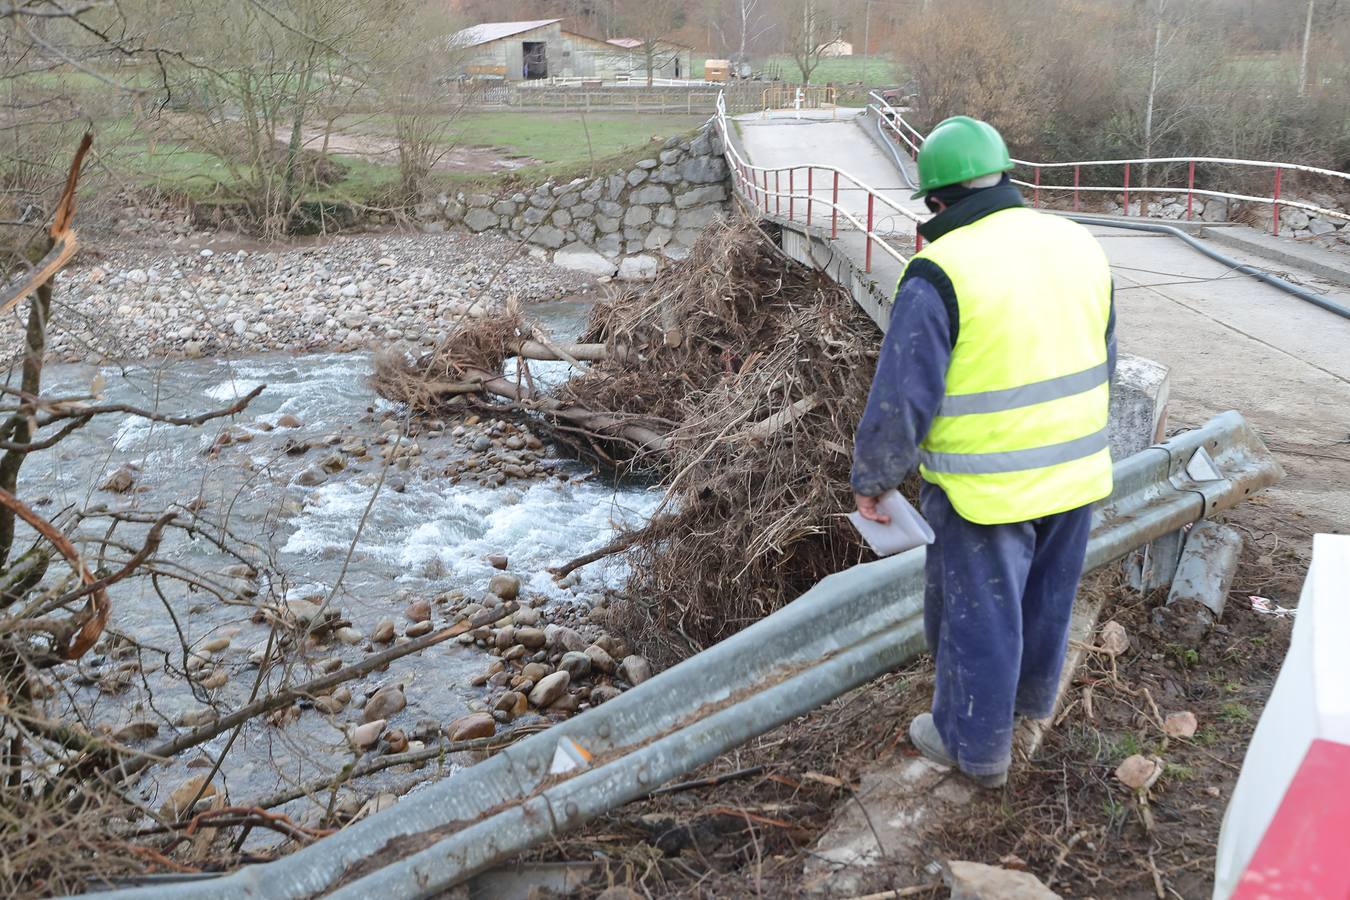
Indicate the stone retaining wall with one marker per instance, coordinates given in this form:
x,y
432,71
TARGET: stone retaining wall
x,y
623,224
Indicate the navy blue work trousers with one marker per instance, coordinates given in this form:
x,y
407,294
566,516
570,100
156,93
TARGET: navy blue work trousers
x,y
996,615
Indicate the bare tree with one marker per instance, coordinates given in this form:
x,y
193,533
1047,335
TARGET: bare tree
x,y
650,23
809,32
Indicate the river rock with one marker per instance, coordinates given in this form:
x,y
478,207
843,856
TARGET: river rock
x,y
497,560
418,611
217,679
384,703
474,725
120,481
330,705
348,635
536,671
177,805
505,586
363,737
286,420
977,881
419,629
505,637
549,689
384,632
527,616
215,645
600,659
533,638
603,693
395,741
635,669
564,637
576,664
311,477
136,731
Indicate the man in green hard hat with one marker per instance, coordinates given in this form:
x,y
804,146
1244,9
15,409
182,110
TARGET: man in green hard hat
x,y
994,379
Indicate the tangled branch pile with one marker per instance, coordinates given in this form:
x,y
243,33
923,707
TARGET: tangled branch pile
x,y
753,372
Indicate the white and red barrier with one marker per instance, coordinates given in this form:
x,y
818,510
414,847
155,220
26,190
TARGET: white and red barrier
x,y
1286,833
912,139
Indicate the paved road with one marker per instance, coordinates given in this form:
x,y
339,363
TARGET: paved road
x,y
1230,341
781,140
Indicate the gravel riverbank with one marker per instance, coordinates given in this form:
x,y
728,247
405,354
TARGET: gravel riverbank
x,y
346,293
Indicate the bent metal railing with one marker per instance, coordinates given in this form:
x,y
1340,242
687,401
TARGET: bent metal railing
x,y
912,139
846,630
784,197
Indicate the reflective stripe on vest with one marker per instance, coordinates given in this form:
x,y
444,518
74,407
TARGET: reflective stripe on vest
x,y
1022,431
1026,395
1014,460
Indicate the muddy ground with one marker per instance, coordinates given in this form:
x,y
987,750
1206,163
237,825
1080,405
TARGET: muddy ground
x,y
1063,815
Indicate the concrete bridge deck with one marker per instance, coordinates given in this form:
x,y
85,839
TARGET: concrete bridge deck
x,y
1230,341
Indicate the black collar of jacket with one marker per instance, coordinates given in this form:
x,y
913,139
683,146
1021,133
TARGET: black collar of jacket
x,y
971,209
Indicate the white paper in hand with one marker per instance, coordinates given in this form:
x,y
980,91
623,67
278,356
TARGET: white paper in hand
x,y
906,530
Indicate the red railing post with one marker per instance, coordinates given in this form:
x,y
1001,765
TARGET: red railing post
x,y
778,192
1190,189
1075,188
1275,204
918,240
834,209
792,194
1127,189
871,199
810,191
1036,193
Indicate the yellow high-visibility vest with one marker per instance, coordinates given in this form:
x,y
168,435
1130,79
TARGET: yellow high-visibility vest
x,y
1022,429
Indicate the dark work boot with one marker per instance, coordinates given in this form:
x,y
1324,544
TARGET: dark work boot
x,y
924,734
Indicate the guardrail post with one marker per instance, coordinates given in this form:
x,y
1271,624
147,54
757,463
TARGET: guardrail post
x,y
810,191
918,240
777,191
1190,189
1275,204
834,209
1075,188
1036,192
1127,189
871,202
792,194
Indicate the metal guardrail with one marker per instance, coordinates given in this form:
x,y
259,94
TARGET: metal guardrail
x,y
912,138
752,183
843,632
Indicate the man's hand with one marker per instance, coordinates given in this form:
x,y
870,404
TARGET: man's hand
x,y
867,506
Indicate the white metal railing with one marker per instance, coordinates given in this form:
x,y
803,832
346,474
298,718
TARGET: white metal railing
x,y
912,139
752,183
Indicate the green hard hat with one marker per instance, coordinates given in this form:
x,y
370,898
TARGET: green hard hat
x,y
957,150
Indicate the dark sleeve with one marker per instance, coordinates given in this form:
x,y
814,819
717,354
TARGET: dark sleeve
x,y
908,387
1111,335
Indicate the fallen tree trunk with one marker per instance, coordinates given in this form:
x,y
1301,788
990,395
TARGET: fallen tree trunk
x,y
599,423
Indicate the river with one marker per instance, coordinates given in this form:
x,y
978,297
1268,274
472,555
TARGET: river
x,y
423,536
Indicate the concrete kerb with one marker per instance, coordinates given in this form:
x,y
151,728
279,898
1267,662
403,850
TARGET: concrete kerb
x,y
1316,260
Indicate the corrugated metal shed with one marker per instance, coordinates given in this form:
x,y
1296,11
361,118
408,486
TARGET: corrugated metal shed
x,y
495,31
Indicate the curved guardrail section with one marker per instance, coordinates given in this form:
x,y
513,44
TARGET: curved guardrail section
x,y
843,632
751,183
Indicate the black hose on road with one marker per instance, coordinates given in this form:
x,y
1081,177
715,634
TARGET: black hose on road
x,y
1301,293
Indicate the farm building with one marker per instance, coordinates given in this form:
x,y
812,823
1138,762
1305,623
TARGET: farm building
x,y
526,51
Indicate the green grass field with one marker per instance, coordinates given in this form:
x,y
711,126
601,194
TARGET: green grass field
x,y
565,145
565,137
837,70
